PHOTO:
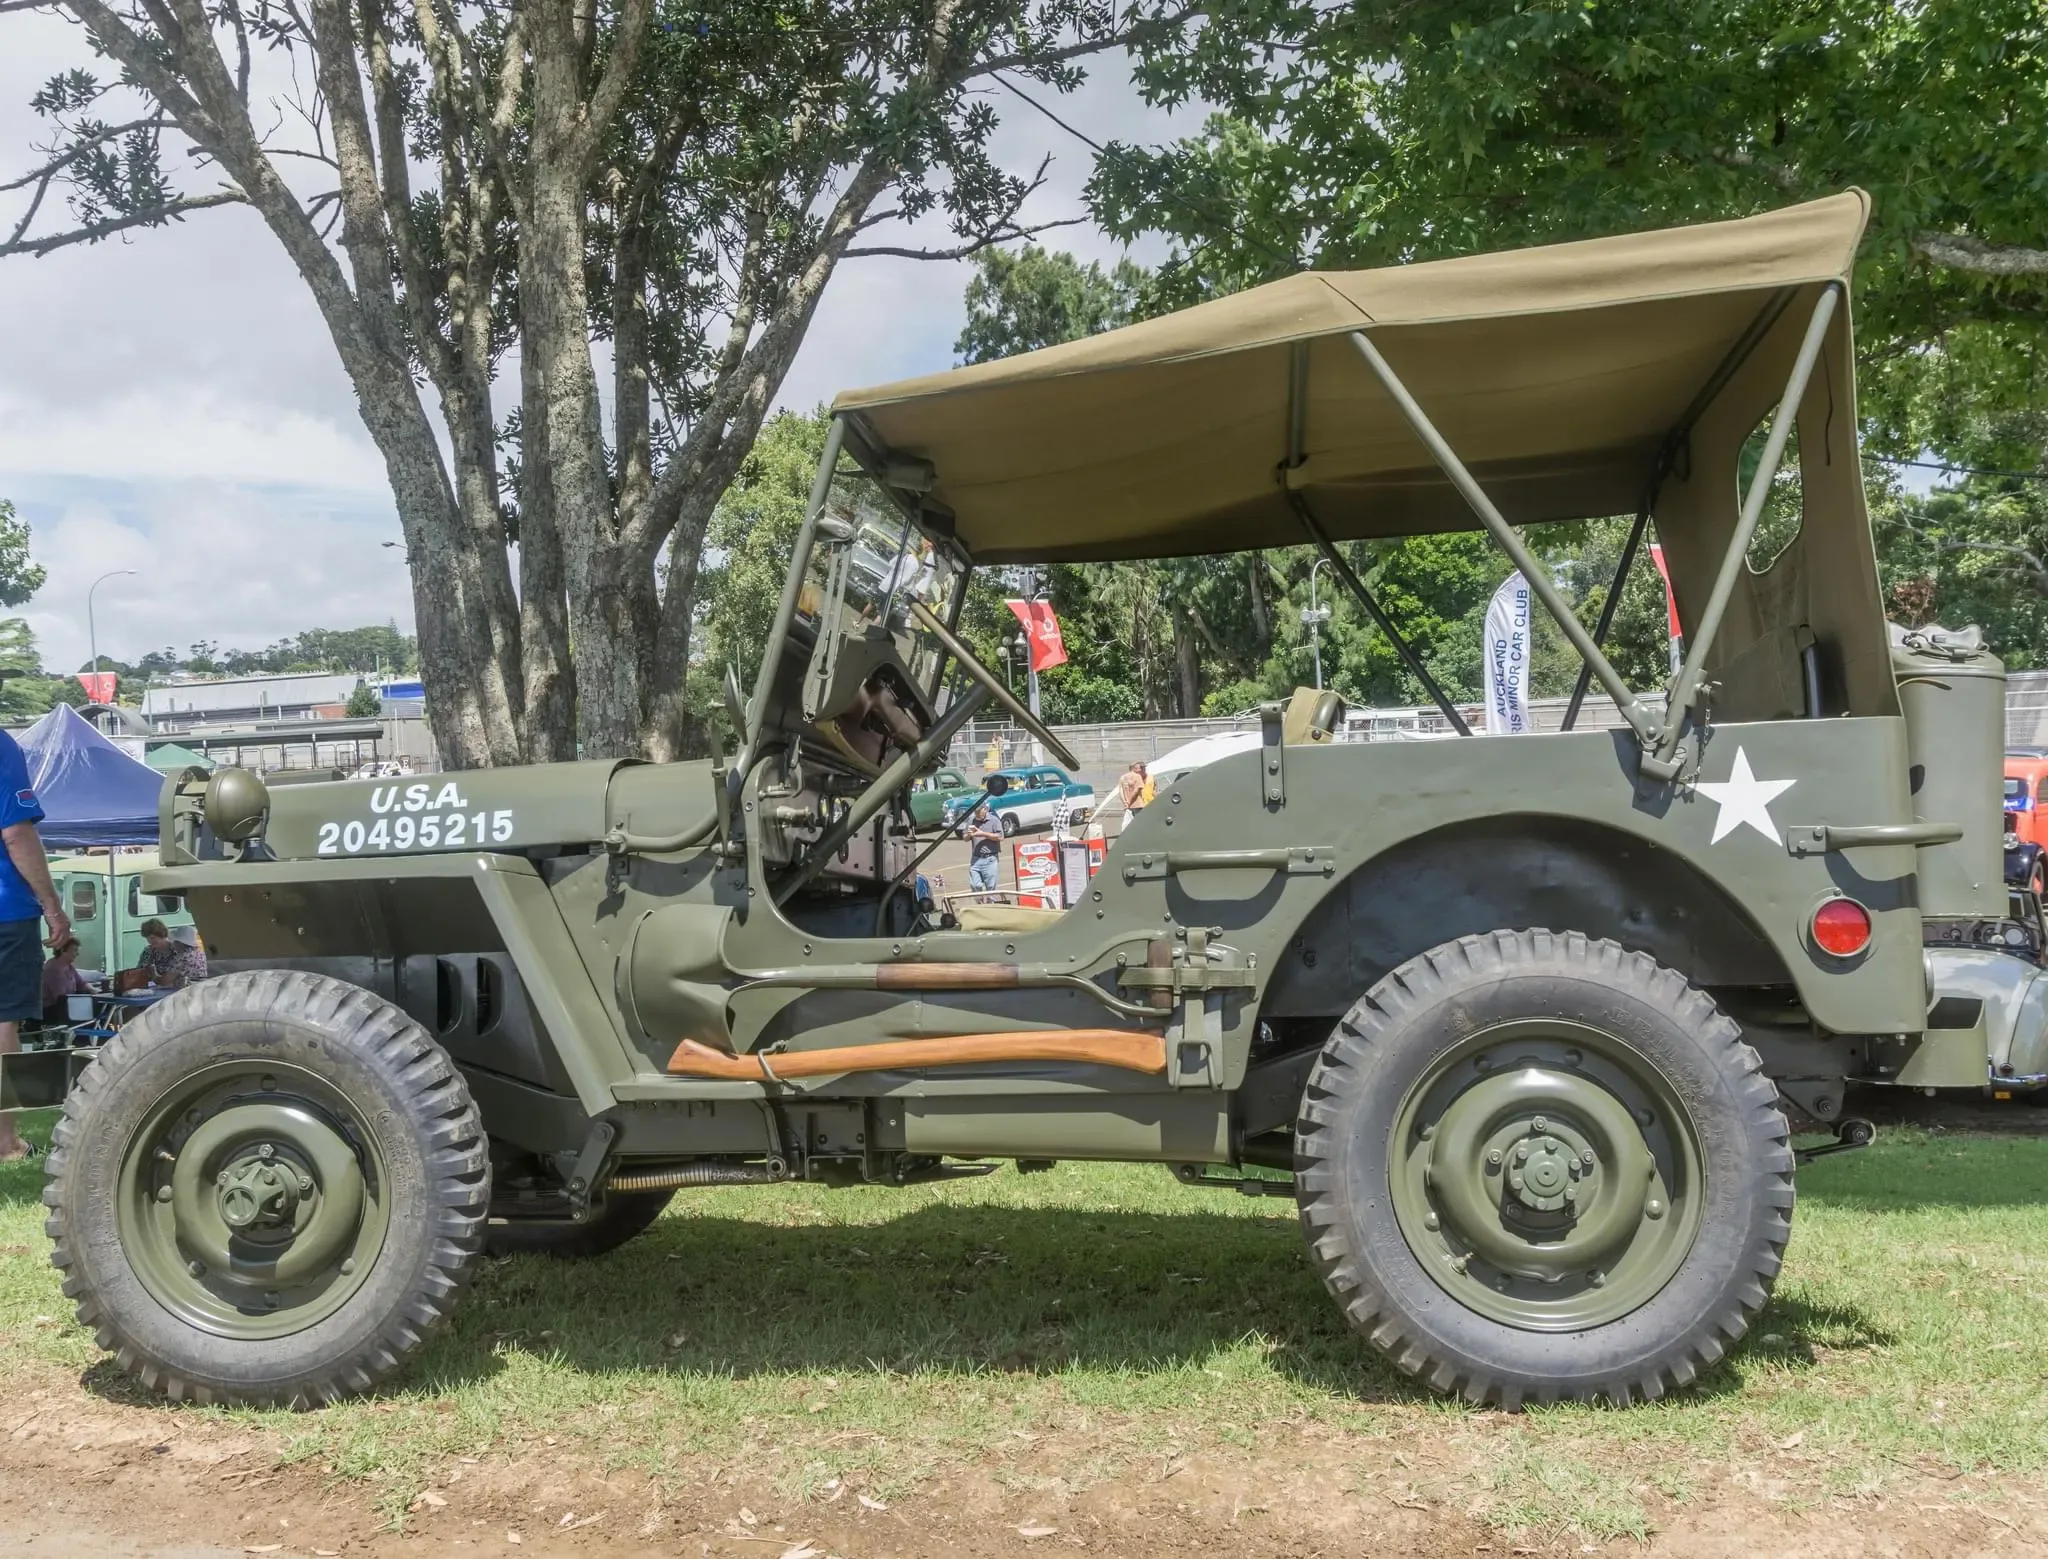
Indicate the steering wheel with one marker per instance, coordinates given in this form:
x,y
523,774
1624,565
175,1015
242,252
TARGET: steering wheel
x,y
993,683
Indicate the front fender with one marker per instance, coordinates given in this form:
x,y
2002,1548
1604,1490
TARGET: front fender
x,y
407,926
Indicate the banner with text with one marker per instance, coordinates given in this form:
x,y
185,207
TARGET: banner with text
x,y
1047,647
1507,658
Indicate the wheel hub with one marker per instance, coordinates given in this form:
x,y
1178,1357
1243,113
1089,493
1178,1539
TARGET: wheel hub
x,y
250,1206
1545,1176
1536,1177
258,1192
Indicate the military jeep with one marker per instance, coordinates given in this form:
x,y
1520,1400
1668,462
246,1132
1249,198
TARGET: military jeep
x,y
1531,1070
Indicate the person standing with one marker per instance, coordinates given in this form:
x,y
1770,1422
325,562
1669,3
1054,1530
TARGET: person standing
x,y
27,898
1129,790
984,850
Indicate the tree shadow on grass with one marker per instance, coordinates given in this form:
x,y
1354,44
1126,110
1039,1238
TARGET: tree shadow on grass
x,y
968,1290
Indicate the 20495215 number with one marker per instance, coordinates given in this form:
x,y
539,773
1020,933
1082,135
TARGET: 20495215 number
x,y
430,831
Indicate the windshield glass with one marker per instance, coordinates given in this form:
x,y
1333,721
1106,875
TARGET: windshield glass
x,y
2015,790
870,563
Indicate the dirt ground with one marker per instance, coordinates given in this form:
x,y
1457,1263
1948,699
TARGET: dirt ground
x,y
84,1477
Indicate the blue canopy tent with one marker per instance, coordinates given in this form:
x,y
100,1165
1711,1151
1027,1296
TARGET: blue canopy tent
x,y
92,792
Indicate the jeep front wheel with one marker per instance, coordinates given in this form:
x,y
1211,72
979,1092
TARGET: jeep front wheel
x,y
267,1190
1564,1140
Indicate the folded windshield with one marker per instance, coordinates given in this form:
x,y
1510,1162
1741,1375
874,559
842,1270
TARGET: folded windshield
x,y
869,566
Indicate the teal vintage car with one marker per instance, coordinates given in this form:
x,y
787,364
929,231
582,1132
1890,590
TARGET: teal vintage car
x,y
1032,800
933,798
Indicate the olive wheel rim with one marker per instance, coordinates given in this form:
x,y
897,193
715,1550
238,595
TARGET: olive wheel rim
x,y
1547,1175
241,1242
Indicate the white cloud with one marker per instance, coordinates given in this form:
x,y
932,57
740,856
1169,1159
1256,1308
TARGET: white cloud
x,y
215,560
173,402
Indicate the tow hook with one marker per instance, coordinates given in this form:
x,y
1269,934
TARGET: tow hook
x,y
1850,1134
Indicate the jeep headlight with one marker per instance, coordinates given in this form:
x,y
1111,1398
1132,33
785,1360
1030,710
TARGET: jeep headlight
x,y
2012,840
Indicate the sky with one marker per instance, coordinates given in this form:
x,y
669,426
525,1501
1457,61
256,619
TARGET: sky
x,y
171,403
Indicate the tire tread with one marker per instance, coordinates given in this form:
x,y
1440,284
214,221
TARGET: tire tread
x,y
443,1116
1478,958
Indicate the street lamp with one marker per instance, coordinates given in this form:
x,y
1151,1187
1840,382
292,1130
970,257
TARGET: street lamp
x,y
1313,617
92,631
1016,646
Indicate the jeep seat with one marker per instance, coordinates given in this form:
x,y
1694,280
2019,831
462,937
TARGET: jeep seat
x,y
1312,716
1006,917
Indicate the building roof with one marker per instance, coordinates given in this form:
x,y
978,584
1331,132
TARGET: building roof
x,y
290,690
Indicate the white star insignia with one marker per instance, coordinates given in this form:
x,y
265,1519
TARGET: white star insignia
x,y
1743,799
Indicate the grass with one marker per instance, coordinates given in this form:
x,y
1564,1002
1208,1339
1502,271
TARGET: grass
x,y
1111,1320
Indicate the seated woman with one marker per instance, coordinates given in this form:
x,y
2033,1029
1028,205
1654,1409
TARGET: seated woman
x,y
167,963
61,979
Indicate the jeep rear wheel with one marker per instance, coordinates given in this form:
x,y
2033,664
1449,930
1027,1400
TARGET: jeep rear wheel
x,y
1568,1142
267,1190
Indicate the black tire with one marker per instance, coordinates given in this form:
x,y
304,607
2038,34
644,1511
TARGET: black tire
x,y
624,1215
374,1083
2037,879
1432,1009
1010,825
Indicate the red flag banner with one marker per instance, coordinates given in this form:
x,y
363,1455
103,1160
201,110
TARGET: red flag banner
x,y
1670,600
100,686
1047,647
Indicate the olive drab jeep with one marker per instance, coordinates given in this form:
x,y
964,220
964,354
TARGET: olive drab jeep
x,y
1525,1024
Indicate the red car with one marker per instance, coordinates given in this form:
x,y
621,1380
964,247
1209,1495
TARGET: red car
x,y
2026,797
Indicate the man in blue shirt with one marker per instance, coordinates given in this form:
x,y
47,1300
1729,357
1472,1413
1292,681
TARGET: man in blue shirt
x,y
27,898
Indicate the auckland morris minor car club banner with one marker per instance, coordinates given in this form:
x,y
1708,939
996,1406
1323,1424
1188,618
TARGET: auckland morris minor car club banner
x,y
1507,658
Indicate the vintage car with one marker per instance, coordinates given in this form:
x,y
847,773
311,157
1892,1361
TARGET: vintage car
x,y
1031,800
932,798
1524,1025
2026,818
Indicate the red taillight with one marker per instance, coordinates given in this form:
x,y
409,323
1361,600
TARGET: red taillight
x,y
1841,927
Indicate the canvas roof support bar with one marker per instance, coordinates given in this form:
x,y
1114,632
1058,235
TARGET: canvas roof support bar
x,y
1676,447
792,592
1607,609
1639,718
1376,612
1686,686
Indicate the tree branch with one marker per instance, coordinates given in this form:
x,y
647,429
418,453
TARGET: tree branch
x,y
78,149
169,211
617,79
960,252
1962,253
1074,51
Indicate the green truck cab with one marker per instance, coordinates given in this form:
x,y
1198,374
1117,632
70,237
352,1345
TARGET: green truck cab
x,y
1525,1025
104,896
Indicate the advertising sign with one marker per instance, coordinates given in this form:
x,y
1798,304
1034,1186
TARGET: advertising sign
x,y
1507,658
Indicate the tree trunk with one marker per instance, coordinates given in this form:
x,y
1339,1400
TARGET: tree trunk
x,y
1187,668
550,678
554,300
1262,620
